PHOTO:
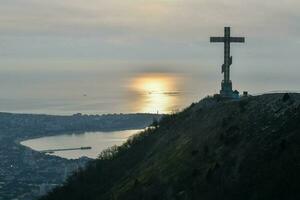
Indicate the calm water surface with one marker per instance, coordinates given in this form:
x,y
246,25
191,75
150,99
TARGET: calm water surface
x,y
97,140
93,91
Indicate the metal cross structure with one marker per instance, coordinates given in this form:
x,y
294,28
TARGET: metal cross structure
x,y
226,90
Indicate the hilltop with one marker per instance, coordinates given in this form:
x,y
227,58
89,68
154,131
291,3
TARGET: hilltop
x,y
214,149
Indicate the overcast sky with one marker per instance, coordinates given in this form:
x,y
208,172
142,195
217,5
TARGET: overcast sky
x,y
154,35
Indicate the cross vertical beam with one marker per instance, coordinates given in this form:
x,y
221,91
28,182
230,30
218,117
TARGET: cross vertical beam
x,y
227,57
226,90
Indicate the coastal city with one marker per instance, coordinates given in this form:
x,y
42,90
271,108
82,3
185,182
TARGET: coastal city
x,y
26,174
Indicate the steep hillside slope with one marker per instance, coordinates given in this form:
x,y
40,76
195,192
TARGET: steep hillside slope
x,y
215,149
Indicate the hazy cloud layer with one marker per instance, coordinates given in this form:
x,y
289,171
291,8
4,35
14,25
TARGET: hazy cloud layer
x,y
162,18
112,29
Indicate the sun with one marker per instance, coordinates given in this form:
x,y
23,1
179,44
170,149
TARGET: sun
x,y
153,92
152,86
152,83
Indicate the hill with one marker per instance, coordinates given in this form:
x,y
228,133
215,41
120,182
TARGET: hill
x,y
215,149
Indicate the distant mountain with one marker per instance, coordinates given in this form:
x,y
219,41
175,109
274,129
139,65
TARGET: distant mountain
x,y
247,149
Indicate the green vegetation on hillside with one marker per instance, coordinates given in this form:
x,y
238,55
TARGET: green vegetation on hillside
x,y
215,149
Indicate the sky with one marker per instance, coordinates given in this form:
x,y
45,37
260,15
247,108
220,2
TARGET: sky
x,y
43,42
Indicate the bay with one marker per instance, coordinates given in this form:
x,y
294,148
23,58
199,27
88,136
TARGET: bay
x,y
98,141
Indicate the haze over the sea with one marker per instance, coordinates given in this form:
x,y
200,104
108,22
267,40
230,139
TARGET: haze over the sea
x,y
68,56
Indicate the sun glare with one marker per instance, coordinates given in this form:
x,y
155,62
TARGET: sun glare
x,y
155,92
152,83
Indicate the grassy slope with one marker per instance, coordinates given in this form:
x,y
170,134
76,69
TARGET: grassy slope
x,y
248,149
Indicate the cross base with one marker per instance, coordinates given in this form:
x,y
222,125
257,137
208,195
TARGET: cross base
x,y
226,91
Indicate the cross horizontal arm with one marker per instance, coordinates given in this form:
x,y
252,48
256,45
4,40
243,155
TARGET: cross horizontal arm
x,y
237,39
217,39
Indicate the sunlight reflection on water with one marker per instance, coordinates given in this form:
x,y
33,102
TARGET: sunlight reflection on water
x,y
156,92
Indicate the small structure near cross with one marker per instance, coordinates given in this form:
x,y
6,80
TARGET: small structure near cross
x,y
226,86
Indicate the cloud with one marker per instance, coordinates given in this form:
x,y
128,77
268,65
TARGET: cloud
x,y
132,36
139,29
145,18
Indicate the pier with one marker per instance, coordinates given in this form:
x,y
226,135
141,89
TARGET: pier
x,y
66,149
